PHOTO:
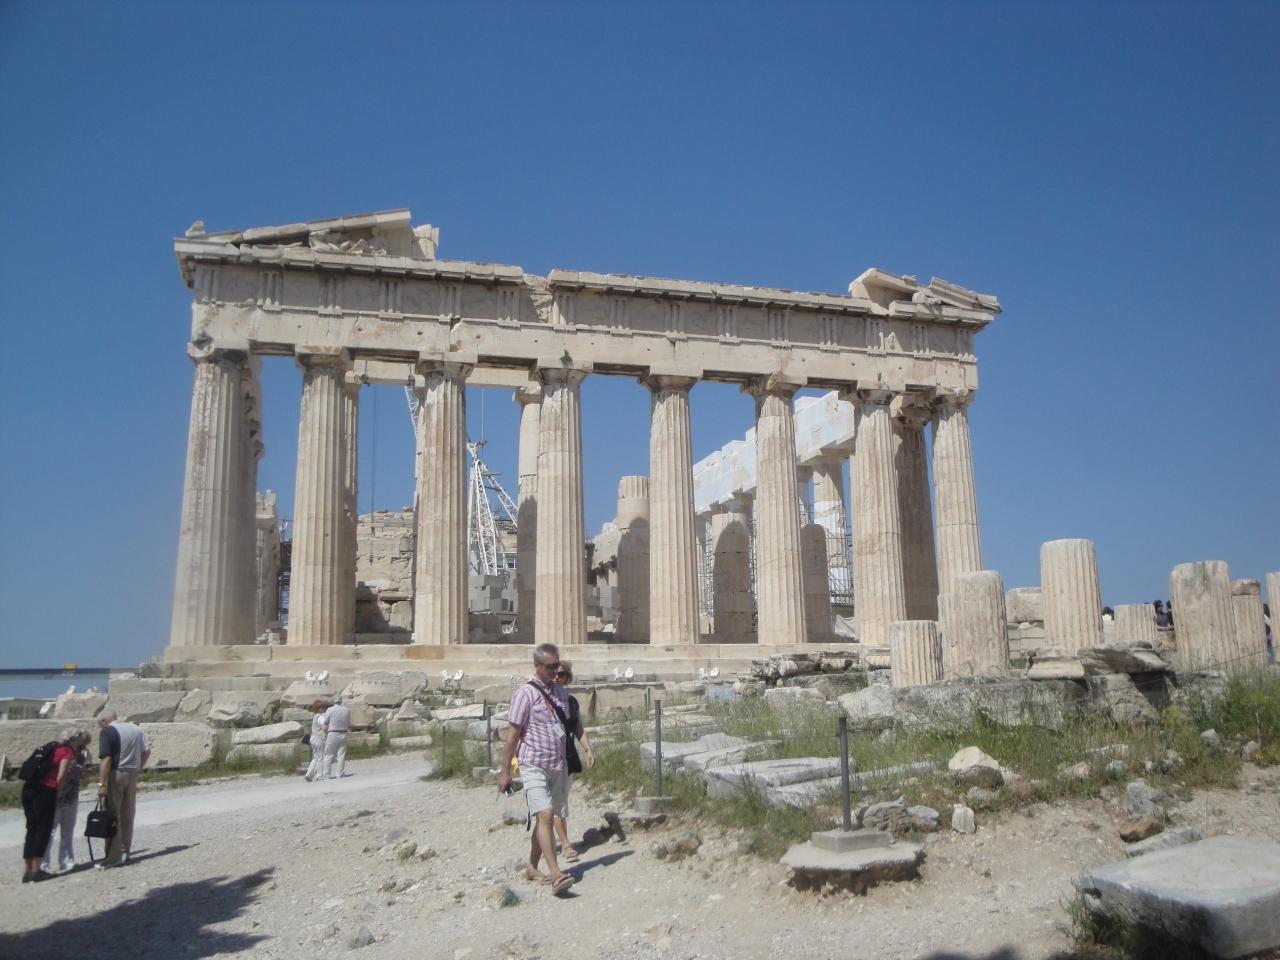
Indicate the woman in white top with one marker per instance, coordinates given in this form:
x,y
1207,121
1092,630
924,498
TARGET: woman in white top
x,y
319,728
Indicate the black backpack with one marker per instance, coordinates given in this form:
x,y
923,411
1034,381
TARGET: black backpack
x,y
37,765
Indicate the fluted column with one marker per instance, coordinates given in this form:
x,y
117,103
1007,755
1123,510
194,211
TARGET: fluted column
x,y
350,497
246,540
561,575
829,510
632,520
919,563
731,573
877,532
1136,623
440,570
817,585
1202,619
530,400
205,598
915,655
1249,627
779,583
267,563
1072,595
959,544
318,570
673,548
976,619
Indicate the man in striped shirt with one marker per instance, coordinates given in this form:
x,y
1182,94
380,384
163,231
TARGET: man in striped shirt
x,y
535,726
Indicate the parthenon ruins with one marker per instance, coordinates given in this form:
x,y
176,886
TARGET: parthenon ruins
x,y
365,299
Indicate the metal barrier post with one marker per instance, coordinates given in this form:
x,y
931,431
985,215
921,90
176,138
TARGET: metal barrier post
x,y
844,771
657,738
488,735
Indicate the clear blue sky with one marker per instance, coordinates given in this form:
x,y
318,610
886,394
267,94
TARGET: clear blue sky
x,y
1108,170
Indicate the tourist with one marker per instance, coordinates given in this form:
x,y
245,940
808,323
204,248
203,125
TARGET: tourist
x,y
64,817
1162,618
319,726
337,721
536,725
124,751
1108,615
40,803
1270,634
564,677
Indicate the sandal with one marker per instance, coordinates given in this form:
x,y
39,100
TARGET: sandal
x,y
563,883
570,854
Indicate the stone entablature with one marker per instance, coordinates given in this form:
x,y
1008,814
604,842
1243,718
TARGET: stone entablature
x,y
277,289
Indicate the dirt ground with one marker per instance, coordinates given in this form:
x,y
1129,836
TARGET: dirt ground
x,y
281,868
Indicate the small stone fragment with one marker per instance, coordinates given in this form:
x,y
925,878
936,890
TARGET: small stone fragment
x,y
1139,828
962,819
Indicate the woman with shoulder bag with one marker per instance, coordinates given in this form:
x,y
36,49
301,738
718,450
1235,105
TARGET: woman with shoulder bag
x,y
319,729
564,677
68,804
40,803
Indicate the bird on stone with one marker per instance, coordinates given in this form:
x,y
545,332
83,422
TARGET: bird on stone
x,y
628,673
324,675
308,676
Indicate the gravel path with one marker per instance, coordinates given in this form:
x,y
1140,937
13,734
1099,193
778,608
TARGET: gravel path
x,y
280,868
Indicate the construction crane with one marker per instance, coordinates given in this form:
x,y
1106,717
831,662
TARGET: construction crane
x,y
490,510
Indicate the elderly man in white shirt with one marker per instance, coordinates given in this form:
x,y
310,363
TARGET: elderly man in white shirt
x,y
337,723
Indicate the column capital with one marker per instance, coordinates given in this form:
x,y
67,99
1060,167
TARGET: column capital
x,y
527,395
912,410
209,351
316,356
449,369
567,375
958,398
667,381
774,385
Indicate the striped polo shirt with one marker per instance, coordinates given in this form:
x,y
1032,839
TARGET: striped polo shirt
x,y
540,746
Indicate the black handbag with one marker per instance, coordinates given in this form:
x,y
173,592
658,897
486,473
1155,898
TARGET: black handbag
x,y
101,824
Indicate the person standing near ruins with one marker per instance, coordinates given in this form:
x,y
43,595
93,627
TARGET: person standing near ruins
x,y
319,727
564,677
337,722
535,726
123,750
64,816
39,803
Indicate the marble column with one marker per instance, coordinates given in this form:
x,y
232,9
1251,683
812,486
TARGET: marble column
x,y
318,570
560,604
440,568
915,655
877,530
267,564
673,606
632,520
731,573
205,601
817,585
351,497
1203,623
829,510
959,546
919,563
976,617
1072,595
1136,623
947,634
246,538
530,400
1249,627
779,583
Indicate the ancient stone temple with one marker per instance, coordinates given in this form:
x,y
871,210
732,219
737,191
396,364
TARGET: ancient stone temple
x,y
366,299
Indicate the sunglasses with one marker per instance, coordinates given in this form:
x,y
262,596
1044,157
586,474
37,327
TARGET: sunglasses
x,y
550,666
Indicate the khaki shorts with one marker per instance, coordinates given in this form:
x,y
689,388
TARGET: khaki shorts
x,y
546,789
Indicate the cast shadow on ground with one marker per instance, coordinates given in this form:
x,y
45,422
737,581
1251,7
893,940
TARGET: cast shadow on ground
x,y
1002,953
166,922
580,869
